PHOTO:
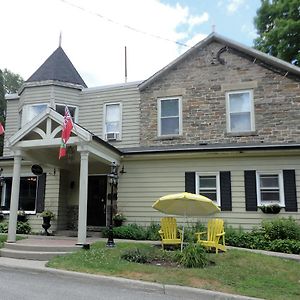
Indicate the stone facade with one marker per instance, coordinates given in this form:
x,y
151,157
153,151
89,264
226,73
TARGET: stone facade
x,y
202,81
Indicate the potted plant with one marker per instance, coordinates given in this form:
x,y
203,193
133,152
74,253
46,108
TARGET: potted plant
x,y
21,215
270,208
118,219
47,216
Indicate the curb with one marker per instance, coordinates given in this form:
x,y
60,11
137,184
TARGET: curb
x,y
149,287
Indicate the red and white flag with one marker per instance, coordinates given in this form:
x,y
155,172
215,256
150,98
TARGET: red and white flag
x,y
1,129
66,132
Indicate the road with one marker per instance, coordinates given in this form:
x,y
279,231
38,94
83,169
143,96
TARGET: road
x,y
24,284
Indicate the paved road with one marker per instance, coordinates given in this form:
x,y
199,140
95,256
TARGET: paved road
x,y
30,285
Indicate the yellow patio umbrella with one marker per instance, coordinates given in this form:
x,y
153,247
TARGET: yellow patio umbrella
x,y
186,204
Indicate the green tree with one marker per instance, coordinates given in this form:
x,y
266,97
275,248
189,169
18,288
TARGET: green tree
x,y
9,83
278,25
12,82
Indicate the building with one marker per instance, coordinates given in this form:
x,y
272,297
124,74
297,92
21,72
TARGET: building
x,y
221,120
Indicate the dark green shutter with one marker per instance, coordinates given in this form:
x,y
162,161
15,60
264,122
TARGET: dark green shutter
x,y
290,194
225,186
40,198
250,190
190,182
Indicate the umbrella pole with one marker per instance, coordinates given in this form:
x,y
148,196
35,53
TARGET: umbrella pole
x,y
181,247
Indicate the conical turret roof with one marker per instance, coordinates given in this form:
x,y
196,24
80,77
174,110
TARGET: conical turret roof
x,y
57,67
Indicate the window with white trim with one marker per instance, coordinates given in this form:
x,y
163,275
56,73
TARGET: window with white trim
x,y
269,188
28,194
112,121
31,111
240,111
60,108
208,185
169,117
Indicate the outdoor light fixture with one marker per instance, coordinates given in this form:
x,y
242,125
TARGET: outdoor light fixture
x,y
113,181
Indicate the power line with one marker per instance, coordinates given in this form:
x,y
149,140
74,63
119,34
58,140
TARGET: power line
x,y
123,25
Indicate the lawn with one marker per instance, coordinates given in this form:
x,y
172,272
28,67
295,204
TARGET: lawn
x,y
237,272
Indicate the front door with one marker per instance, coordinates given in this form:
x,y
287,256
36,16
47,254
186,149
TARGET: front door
x,y
96,207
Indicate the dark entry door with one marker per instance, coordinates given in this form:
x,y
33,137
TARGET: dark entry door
x,y
96,210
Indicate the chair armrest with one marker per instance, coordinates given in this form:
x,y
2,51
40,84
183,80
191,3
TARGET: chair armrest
x,y
220,234
198,234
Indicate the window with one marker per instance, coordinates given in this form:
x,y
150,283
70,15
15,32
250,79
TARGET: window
x,y
112,121
60,108
240,111
269,189
28,193
169,116
208,185
31,111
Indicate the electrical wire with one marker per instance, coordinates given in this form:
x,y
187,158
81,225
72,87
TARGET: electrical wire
x,y
123,25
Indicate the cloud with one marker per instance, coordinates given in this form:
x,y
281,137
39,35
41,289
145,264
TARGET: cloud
x,y
249,30
197,20
196,39
234,5
94,35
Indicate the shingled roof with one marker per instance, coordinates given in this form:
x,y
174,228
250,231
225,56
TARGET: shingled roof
x,y
57,67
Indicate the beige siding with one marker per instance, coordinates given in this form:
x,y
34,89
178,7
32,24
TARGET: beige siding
x,y
147,180
32,95
51,194
91,112
12,122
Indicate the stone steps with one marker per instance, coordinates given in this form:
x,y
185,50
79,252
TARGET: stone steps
x,y
33,251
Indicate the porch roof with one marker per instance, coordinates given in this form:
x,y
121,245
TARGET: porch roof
x,y
43,133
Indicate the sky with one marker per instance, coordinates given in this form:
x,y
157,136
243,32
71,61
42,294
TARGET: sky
x,y
94,33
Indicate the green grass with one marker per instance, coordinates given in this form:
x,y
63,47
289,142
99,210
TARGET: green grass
x,y
3,238
236,271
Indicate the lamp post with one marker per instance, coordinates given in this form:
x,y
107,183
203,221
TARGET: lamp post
x,y
113,181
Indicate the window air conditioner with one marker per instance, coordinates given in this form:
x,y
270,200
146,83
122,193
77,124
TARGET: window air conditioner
x,y
112,136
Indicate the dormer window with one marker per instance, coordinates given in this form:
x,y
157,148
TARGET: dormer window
x,y
31,111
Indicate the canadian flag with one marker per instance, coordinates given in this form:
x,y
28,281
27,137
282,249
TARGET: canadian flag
x,y
1,129
66,132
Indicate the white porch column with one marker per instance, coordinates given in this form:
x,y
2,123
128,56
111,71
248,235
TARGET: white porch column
x,y
83,193
14,199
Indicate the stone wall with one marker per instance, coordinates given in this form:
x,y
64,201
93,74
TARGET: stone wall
x,y
202,81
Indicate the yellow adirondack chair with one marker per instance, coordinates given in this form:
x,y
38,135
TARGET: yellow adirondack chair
x,y
215,235
169,232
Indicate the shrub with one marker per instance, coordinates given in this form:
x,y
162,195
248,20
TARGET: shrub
x,y
22,227
152,232
130,231
281,229
136,255
194,256
285,246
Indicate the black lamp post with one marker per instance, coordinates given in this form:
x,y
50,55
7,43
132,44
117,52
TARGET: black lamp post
x,y
113,181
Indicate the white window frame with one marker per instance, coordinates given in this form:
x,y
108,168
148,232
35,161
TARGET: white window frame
x,y
73,106
119,138
228,112
25,111
159,100
218,186
3,194
281,188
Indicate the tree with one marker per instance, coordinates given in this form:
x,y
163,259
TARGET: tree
x,y
12,82
278,25
9,83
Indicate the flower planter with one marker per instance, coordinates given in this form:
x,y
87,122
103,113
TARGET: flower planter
x,y
22,218
270,209
46,224
118,223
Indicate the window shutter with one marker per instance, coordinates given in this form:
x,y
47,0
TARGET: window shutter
x,y
225,185
250,190
290,195
190,184
40,199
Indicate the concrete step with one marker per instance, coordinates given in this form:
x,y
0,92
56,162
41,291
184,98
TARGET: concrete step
x,y
31,255
41,248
